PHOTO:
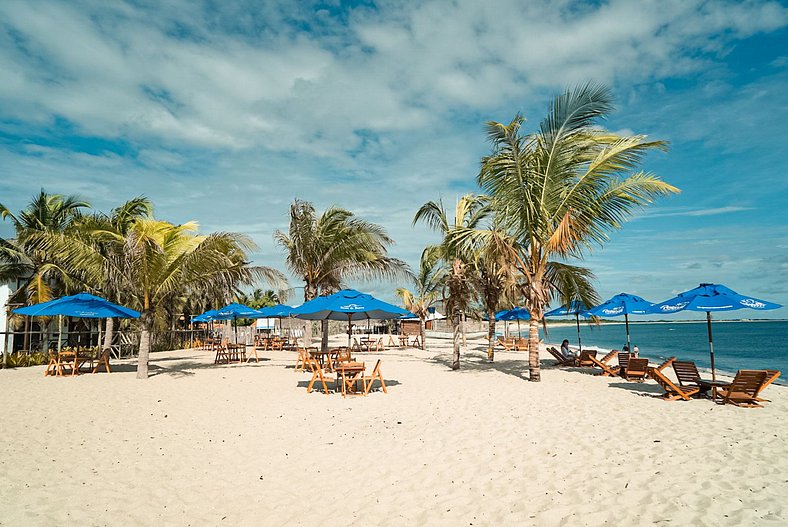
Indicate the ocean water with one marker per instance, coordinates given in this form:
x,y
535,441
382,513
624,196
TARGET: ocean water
x,y
737,345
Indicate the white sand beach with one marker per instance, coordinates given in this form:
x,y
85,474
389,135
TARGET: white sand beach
x,y
199,444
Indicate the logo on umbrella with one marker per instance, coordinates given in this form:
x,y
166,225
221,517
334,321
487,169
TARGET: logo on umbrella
x,y
751,302
352,307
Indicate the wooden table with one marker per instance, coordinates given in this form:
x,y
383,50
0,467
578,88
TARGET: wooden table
x,y
350,373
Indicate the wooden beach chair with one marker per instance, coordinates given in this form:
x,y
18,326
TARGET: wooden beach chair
x,y
607,370
317,375
560,359
687,373
661,367
637,369
506,344
744,389
521,344
673,391
369,381
771,376
54,364
623,361
101,360
302,362
584,360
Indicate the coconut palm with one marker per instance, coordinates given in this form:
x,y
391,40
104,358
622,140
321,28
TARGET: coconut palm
x,y
427,292
561,190
156,261
326,250
469,211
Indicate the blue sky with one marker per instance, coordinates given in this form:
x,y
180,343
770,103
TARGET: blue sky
x,y
224,112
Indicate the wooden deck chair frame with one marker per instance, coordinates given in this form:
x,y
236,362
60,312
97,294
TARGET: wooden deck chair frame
x,y
607,370
521,344
102,360
54,364
317,375
744,389
771,376
506,344
301,361
369,381
607,358
688,375
391,343
560,359
661,367
637,369
584,360
673,391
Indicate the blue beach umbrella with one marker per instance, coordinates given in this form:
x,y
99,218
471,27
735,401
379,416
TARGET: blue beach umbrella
x,y
621,304
83,305
517,313
279,311
206,317
235,311
575,308
708,298
349,305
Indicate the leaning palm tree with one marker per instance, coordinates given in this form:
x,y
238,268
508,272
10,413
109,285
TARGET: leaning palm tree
x,y
427,291
155,261
563,189
469,211
336,246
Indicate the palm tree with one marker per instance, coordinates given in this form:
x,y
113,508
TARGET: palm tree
x,y
428,291
336,246
469,211
155,261
561,190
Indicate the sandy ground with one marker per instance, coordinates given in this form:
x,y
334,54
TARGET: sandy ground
x,y
198,444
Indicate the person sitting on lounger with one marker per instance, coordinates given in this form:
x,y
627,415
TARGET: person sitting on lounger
x,y
565,351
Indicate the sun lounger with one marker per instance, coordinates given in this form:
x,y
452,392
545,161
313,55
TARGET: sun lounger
x,y
521,344
562,361
771,376
369,381
688,375
744,389
584,360
673,391
661,367
636,369
507,344
607,370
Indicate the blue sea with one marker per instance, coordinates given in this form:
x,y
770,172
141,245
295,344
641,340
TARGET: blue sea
x,y
737,345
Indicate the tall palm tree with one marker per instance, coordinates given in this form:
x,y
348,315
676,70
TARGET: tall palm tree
x,y
427,291
326,250
159,261
469,211
563,189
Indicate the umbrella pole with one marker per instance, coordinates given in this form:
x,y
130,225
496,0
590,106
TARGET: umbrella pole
x,y
349,315
711,346
59,333
626,321
579,342
518,328
235,323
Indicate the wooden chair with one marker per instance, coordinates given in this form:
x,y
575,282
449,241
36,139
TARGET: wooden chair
x,y
623,361
301,360
637,369
771,376
607,370
507,344
392,343
673,391
369,381
342,355
102,360
661,367
584,360
744,389
521,344
560,359
53,366
222,354
688,375
317,375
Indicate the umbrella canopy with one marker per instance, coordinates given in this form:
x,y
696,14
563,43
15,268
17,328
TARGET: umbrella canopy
x,y
518,313
235,311
574,308
708,298
277,311
82,305
622,304
206,317
349,305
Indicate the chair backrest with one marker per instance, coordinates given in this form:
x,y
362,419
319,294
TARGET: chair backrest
x,y
637,366
609,356
686,372
376,370
748,382
584,358
771,376
623,359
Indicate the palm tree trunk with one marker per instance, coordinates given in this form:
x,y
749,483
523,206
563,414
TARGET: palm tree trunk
x,y
108,333
423,333
533,348
142,359
455,361
324,338
462,328
491,335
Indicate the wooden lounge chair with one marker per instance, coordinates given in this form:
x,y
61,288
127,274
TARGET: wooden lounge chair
x,y
661,367
521,344
607,370
688,375
560,359
584,360
744,389
507,344
637,369
771,376
369,381
623,361
102,360
673,391
317,374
